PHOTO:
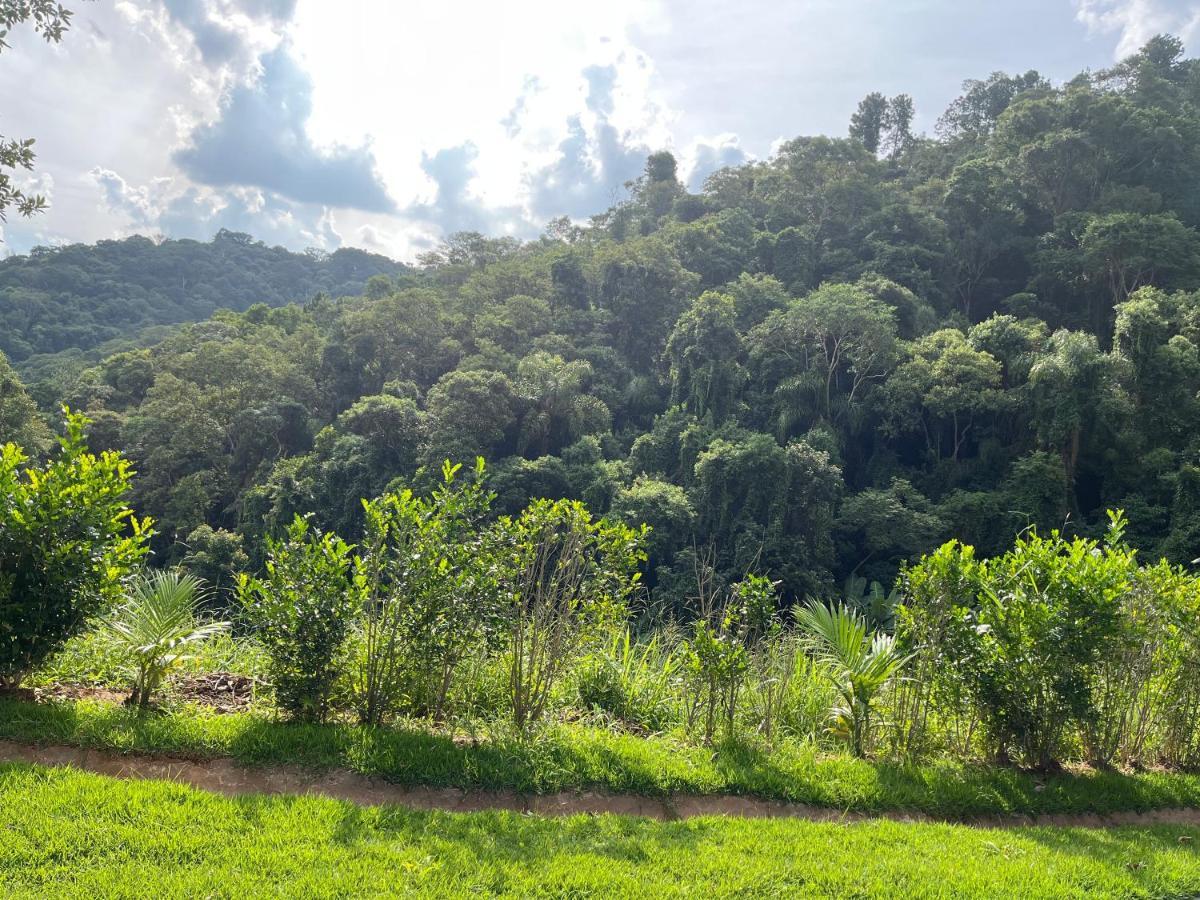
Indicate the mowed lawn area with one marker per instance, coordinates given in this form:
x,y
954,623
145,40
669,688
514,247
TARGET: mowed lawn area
x,y
71,834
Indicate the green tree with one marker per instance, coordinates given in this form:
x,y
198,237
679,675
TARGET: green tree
x,y
560,410
1075,393
867,123
20,423
984,221
1124,251
643,289
703,352
665,509
216,557
828,348
470,414
768,508
944,385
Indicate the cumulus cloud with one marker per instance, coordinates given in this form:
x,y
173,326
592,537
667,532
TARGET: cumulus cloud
x,y
259,140
454,206
230,32
592,163
710,155
138,203
199,214
190,211
1136,21
217,42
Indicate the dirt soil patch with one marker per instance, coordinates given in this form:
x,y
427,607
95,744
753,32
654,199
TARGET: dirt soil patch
x,y
224,692
225,776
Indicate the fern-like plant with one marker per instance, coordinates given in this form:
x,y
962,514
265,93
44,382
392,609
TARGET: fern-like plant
x,y
860,663
157,625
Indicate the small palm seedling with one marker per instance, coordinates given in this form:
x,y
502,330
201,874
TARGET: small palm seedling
x,y
157,625
860,664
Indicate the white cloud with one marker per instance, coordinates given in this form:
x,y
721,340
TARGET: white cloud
x,y
474,114
418,79
707,155
1136,21
140,204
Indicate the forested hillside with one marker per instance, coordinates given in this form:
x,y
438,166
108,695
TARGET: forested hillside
x,y
822,364
79,296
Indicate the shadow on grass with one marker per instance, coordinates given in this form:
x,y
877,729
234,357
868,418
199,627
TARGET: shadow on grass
x,y
943,788
508,837
574,757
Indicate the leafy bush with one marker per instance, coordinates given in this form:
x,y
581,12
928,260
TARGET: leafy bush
x,y
1046,644
718,655
1146,696
458,610
392,569
431,594
67,542
156,624
936,622
302,608
1050,611
563,576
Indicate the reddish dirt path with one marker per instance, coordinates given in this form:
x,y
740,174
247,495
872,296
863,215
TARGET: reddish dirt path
x,y
225,776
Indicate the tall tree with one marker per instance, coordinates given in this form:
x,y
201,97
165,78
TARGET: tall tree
x,y
704,351
869,120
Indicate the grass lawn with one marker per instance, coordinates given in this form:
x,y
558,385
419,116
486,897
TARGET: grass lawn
x,y
565,757
73,834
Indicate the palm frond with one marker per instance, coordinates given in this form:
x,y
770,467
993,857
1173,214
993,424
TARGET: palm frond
x,y
156,623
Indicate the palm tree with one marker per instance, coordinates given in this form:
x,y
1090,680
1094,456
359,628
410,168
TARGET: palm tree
x,y
860,665
156,623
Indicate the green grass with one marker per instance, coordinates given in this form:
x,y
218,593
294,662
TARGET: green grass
x,y
573,756
69,834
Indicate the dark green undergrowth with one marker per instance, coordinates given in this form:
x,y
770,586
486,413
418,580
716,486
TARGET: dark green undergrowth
x,y
574,756
72,834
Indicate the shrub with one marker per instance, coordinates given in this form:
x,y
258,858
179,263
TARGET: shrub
x,y
67,543
1147,695
302,608
937,624
458,610
718,655
392,569
1043,644
563,576
430,577
1049,613
156,624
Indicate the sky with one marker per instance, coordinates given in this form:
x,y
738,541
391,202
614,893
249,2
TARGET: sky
x,y
388,124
